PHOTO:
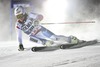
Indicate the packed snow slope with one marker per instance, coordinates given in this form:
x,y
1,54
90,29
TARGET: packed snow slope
x,y
87,56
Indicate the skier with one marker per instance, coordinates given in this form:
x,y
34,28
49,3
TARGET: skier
x,y
30,25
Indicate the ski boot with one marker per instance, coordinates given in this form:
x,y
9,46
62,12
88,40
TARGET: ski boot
x,y
48,43
21,48
73,40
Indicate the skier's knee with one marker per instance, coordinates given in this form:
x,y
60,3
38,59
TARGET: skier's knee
x,y
48,43
53,37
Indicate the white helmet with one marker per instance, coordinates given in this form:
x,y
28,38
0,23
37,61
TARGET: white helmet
x,y
19,12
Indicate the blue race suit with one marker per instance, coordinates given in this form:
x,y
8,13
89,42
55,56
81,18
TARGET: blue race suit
x,y
37,33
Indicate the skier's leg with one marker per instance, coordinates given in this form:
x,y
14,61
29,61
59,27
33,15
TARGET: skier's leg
x,y
41,41
69,39
45,33
35,39
48,34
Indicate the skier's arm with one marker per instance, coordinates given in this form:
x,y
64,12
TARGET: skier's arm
x,y
19,36
37,18
19,33
21,47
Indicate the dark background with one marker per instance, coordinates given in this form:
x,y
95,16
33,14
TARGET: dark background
x,y
84,9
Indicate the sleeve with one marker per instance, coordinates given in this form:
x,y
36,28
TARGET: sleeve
x,y
36,16
19,36
19,33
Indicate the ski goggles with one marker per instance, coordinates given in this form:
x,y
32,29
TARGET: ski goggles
x,y
20,16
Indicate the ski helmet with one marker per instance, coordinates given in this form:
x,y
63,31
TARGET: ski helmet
x,y
19,12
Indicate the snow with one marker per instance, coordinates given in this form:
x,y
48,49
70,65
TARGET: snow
x,y
88,56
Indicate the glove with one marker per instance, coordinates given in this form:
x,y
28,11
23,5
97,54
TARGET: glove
x,y
21,48
36,23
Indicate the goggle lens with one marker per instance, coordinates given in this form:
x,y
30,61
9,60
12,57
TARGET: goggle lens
x,y
20,16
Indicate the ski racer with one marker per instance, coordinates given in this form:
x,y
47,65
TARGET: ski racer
x,y
30,25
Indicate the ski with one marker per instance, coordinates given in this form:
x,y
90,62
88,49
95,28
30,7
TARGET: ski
x,y
64,46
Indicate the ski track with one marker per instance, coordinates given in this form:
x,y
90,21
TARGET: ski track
x,y
88,56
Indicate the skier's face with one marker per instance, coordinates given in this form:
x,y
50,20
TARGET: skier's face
x,y
20,17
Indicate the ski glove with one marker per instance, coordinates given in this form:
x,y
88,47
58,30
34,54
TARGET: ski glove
x,y
21,47
36,23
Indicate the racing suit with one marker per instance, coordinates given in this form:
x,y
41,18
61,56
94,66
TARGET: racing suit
x,y
36,32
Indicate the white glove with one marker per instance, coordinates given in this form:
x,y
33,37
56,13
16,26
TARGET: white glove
x,y
36,23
